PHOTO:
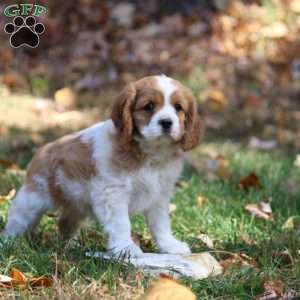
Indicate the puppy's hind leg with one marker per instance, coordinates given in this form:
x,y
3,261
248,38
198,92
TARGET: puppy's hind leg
x,y
26,211
69,222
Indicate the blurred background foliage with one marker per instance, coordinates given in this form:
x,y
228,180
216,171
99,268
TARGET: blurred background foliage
x,y
241,59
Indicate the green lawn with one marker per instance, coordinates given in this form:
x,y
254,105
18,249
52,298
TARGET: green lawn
x,y
223,218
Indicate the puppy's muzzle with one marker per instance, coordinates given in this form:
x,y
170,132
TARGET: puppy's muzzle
x,y
166,125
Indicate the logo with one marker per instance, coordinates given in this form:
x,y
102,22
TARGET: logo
x,y
24,30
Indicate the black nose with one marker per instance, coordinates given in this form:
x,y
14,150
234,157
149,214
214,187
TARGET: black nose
x,y
166,124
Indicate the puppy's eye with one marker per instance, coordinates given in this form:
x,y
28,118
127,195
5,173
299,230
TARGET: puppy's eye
x,y
178,107
149,107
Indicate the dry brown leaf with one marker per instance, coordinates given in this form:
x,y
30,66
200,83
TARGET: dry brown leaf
x,y
273,290
284,256
238,259
206,240
18,276
42,281
18,279
250,181
201,201
7,197
262,210
166,288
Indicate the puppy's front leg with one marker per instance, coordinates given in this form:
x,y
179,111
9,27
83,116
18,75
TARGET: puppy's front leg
x,y
111,209
159,222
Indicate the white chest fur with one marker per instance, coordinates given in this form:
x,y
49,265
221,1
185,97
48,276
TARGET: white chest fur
x,y
152,184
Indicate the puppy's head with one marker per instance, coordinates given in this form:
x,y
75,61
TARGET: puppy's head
x,y
157,108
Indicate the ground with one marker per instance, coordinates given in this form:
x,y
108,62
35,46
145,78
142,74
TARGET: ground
x,y
208,201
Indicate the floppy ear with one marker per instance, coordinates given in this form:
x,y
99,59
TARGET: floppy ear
x,y
122,112
192,133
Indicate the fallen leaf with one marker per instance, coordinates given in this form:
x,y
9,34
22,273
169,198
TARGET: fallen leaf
x,y
273,291
172,207
167,288
7,197
238,259
215,99
18,279
42,281
206,240
6,281
292,222
217,167
65,98
291,295
297,161
18,276
262,210
283,256
201,201
289,223
250,181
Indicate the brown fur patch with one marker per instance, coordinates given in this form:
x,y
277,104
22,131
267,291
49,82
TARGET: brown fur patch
x,y
69,154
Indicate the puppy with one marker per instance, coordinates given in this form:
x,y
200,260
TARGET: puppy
x,y
115,169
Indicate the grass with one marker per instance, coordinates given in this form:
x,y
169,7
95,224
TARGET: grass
x,y
223,218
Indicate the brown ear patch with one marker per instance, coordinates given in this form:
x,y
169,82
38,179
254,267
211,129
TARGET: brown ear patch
x,y
192,124
121,113
191,137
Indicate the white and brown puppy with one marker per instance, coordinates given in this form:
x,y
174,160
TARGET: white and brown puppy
x,y
117,168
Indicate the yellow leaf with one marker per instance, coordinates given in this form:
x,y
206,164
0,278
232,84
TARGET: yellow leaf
x,y
65,98
289,223
18,276
201,201
7,197
166,288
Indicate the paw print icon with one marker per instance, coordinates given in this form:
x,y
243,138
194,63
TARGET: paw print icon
x,y
24,32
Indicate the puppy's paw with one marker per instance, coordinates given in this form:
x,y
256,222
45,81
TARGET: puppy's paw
x,y
174,247
129,251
